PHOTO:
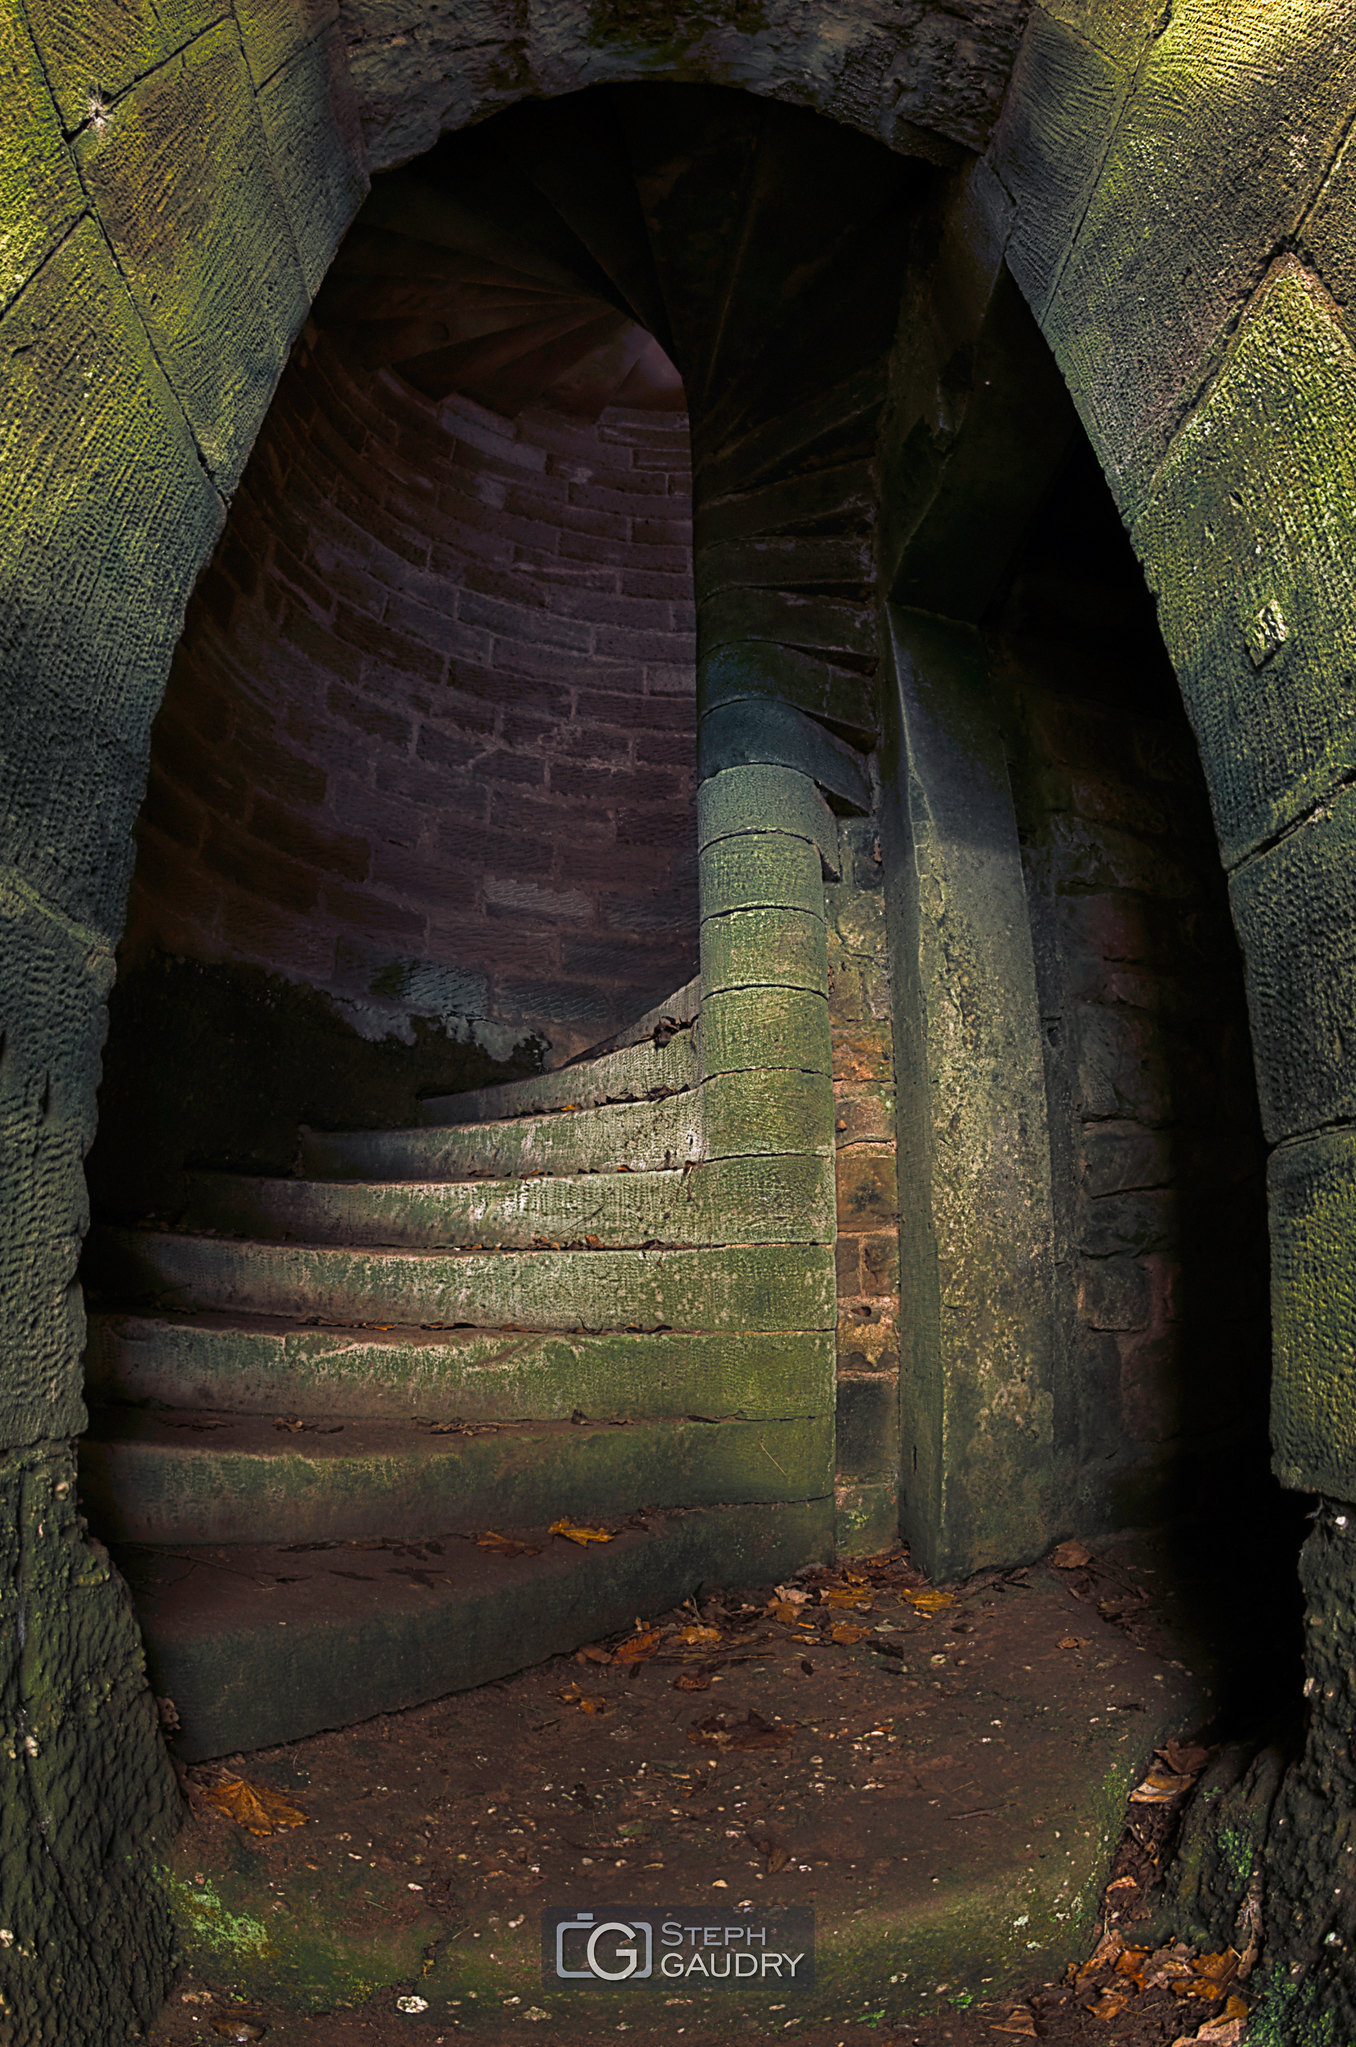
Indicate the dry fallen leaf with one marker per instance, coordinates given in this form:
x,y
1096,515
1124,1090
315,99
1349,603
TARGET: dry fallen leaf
x,y
845,1595
255,1807
1110,2004
930,1602
844,1631
507,1545
1184,1757
1073,1642
637,1647
696,1632
592,1652
1220,2032
1104,1954
793,1595
1070,1555
1160,1786
227,2028
782,1610
574,1531
1019,2021
592,1702
1123,1883
691,1681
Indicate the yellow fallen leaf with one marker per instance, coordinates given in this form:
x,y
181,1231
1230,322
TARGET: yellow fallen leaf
x,y
697,1633
592,1702
844,1631
845,1595
930,1602
574,1531
1160,1786
638,1647
507,1545
254,1807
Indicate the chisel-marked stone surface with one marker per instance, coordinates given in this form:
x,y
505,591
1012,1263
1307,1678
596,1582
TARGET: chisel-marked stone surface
x,y
760,870
645,1136
624,1076
746,1028
745,734
751,948
316,146
732,1200
1250,543
40,194
280,1644
1313,1305
268,1366
202,238
153,1479
759,1287
763,798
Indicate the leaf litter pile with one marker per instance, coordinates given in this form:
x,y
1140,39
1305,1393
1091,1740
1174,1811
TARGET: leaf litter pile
x,y
848,1740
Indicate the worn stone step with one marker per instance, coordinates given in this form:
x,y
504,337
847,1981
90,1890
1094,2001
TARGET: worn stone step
x,y
185,1476
778,1200
628,1075
739,1287
265,1365
257,1646
644,1136
725,1116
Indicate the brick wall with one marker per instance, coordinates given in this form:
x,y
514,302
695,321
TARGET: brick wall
x,y
428,740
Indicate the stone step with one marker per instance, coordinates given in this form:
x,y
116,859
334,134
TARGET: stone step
x,y
628,1075
187,1476
760,1200
257,1646
269,1366
644,1136
735,1287
728,1115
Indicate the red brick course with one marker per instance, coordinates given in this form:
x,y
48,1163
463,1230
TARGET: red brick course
x,y
435,700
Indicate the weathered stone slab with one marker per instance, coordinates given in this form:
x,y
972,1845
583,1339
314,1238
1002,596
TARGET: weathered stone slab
x,y
760,870
105,519
745,734
746,1028
625,1075
354,1649
1329,232
975,1218
732,1200
845,492
273,31
775,1110
1200,186
1250,544
785,561
1295,908
92,54
1313,1304
646,1136
763,1287
753,948
313,135
40,194
787,618
272,1367
201,235
142,1479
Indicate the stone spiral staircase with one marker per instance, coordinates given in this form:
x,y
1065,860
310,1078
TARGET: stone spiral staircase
x,y
606,1294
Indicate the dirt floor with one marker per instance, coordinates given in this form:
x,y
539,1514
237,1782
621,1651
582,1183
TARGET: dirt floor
x,y
853,1743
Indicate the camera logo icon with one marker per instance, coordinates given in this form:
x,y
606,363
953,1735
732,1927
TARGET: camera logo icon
x,y
610,1950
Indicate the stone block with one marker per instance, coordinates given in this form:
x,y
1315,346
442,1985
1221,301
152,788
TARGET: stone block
x,y
1329,231
763,798
868,1427
866,1518
1312,1185
1135,1222
863,1051
760,870
751,948
1199,185
1295,909
313,135
745,1028
40,194
863,1112
745,733
1122,1069
867,1195
1116,1158
105,519
880,1265
182,178
1113,1293
760,669
274,31
92,54
1250,543
1061,107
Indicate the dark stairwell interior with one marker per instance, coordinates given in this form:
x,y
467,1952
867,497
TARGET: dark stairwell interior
x,y
422,835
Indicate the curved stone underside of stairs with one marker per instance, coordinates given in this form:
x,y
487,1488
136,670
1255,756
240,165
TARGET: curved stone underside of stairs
x,y
605,1294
